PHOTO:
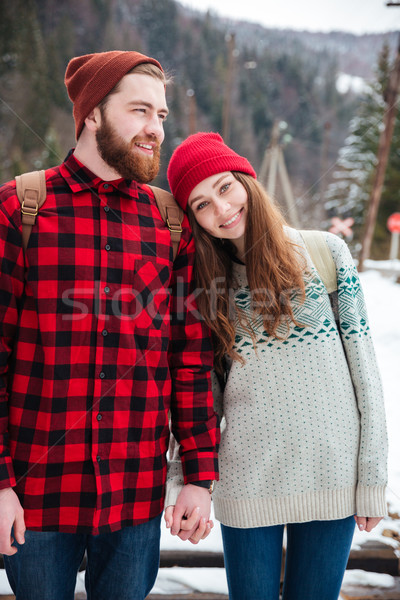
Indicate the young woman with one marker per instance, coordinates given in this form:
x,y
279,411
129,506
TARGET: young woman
x,y
304,437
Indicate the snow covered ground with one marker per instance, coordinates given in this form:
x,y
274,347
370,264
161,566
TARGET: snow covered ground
x,y
383,302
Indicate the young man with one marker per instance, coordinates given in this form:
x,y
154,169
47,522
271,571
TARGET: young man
x,y
98,343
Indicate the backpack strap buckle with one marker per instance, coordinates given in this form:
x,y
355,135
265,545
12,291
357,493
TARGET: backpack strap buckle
x,y
28,209
174,227
31,192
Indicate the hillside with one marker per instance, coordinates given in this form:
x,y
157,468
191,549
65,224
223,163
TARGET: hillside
x,y
354,54
278,75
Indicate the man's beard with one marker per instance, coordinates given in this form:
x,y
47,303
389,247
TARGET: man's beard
x,y
119,154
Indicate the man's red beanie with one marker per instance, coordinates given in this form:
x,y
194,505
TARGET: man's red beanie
x,y
198,157
91,77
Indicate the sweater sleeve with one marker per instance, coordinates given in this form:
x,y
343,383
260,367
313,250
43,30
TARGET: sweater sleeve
x,y
361,359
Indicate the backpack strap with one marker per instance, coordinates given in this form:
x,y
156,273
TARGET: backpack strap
x,y
31,192
321,257
171,214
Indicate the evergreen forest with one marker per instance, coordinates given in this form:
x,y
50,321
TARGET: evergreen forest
x,y
265,76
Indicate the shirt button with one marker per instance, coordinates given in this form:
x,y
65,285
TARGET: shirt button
x,y
106,290
108,247
106,208
104,332
102,375
99,417
98,458
106,186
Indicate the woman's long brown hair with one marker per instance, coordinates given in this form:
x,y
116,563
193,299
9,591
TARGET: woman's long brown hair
x,y
273,266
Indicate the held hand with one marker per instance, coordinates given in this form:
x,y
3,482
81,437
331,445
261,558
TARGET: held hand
x,y
202,531
193,505
169,515
367,523
11,515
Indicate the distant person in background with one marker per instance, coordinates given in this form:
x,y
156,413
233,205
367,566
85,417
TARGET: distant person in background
x,y
98,344
303,433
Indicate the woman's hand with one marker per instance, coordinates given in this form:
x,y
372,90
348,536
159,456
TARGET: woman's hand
x,y
367,523
203,527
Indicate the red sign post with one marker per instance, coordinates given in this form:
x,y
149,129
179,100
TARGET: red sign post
x,y
393,224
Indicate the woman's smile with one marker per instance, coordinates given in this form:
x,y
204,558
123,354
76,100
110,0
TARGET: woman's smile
x,y
234,220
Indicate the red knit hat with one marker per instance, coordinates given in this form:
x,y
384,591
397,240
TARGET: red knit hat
x,y
91,77
198,157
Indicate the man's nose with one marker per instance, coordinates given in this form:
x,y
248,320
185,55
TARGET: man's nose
x,y
155,128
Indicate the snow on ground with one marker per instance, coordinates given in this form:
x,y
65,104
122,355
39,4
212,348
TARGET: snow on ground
x,y
382,265
358,577
4,585
184,581
383,303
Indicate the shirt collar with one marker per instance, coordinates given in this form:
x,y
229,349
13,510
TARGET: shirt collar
x,y
79,178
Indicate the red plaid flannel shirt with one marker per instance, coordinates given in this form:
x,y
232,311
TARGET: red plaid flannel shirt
x,y
98,342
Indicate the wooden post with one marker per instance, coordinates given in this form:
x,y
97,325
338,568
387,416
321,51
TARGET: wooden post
x,y
265,168
192,111
324,159
273,167
287,191
383,155
226,116
262,175
394,246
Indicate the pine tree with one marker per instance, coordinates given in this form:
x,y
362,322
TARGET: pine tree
x,y
349,193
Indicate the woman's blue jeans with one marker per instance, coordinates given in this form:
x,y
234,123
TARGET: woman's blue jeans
x,y
121,565
316,559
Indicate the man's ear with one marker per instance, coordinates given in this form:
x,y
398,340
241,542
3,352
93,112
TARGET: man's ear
x,y
93,120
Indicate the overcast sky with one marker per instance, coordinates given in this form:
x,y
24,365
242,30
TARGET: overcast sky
x,y
356,16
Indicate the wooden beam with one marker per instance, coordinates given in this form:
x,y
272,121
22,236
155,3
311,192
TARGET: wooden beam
x,y
360,592
183,558
227,107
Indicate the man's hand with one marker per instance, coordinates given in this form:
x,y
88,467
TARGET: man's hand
x,y
189,518
367,523
11,515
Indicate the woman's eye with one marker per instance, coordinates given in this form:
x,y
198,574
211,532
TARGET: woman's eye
x,y
224,187
201,205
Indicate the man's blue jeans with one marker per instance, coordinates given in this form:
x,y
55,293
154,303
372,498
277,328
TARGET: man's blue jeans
x,y
316,558
121,565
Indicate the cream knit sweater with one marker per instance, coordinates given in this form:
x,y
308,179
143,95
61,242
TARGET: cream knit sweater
x,y
303,429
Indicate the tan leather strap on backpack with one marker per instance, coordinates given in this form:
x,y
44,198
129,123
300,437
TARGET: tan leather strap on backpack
x,y
321,257
171,214
31,192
